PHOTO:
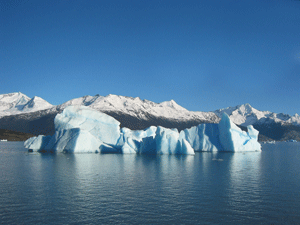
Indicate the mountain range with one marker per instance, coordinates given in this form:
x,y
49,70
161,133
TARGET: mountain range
x,y
35,115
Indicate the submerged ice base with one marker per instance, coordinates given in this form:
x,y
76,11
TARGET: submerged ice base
x,y
79,129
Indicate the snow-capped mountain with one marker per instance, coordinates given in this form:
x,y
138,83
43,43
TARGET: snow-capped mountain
x,y
36,104
245,115
18,103
141,109
13,101
35,116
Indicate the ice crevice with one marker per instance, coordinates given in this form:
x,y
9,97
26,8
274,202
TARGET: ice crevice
x,y
80,129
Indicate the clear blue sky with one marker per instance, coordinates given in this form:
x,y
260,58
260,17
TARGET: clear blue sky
x,y
203,54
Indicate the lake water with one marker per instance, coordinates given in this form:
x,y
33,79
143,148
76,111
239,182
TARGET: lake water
x,y
208,188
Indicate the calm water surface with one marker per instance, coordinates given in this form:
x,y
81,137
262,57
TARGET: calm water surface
x,y
208,188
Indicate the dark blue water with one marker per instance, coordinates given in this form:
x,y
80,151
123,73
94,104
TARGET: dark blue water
x,y
208,188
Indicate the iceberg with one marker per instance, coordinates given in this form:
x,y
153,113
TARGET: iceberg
x,y
168,141
102,126
80,129
204,137
73,140
37,143
131,140
234,139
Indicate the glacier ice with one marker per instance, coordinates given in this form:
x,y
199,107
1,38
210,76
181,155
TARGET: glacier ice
x,y
74,140
168,141
153,140
37,143
234,139
204,137
80,129
102,126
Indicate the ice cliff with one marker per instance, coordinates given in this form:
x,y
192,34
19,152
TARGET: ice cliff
x,y
79,129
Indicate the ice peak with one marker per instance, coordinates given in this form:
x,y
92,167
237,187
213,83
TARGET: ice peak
x,y
37,103
17,102
112,95
247,105
167,103
14,98
172,104
245,108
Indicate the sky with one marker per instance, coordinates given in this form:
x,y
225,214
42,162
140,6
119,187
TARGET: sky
x,y
205,55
